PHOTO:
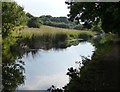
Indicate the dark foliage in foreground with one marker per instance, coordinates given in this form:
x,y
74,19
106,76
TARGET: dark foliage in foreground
x,y
99,73
93,12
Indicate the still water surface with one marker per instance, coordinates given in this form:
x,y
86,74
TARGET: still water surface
x,y
49,67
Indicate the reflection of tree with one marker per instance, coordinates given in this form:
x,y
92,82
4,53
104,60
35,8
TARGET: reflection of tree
x,y
12,69
12,75
73,73
54,89
13,49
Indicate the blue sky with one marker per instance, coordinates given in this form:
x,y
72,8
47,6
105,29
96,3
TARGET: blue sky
x,y
37,8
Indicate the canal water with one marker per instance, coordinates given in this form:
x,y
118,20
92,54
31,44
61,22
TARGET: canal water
x,y
49,67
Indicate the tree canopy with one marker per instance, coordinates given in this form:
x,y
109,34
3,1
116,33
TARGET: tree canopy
x,y
29,15
46,18
34,22
93,12
12,15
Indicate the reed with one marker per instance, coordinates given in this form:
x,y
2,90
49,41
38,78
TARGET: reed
x,y
54,32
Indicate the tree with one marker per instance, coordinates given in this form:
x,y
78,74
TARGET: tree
x,y
92,13
97,28
54,19
34,22
29,15
12,15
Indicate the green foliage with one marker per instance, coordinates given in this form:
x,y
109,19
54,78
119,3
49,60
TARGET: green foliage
x,y
61,22
34,22
78,27
12,69
54,24
12,15
92,12
84,36
48,37
29,15
97,28
43,30
54,19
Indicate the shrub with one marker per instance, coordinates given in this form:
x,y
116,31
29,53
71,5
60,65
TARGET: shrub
x,y
34,22
84,36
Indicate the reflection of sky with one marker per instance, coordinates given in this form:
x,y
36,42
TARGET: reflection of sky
x,y
48,68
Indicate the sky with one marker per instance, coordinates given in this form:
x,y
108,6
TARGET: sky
x,y
55,8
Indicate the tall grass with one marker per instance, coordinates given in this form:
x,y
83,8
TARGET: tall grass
x,y
55,32
47,36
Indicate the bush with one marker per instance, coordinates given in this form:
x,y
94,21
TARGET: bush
x,y
84,36
34,22
54,24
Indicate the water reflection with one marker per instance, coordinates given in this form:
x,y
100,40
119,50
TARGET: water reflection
x,y
13,74
13,66
42,82
49,67
38,65
12,69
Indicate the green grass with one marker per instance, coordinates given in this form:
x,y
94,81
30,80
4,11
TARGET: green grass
x,y
46,35
52,31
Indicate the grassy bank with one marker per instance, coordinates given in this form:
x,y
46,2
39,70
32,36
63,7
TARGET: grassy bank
x,y
53,31
47,37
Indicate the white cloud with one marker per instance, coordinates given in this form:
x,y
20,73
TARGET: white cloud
x,y
44,82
